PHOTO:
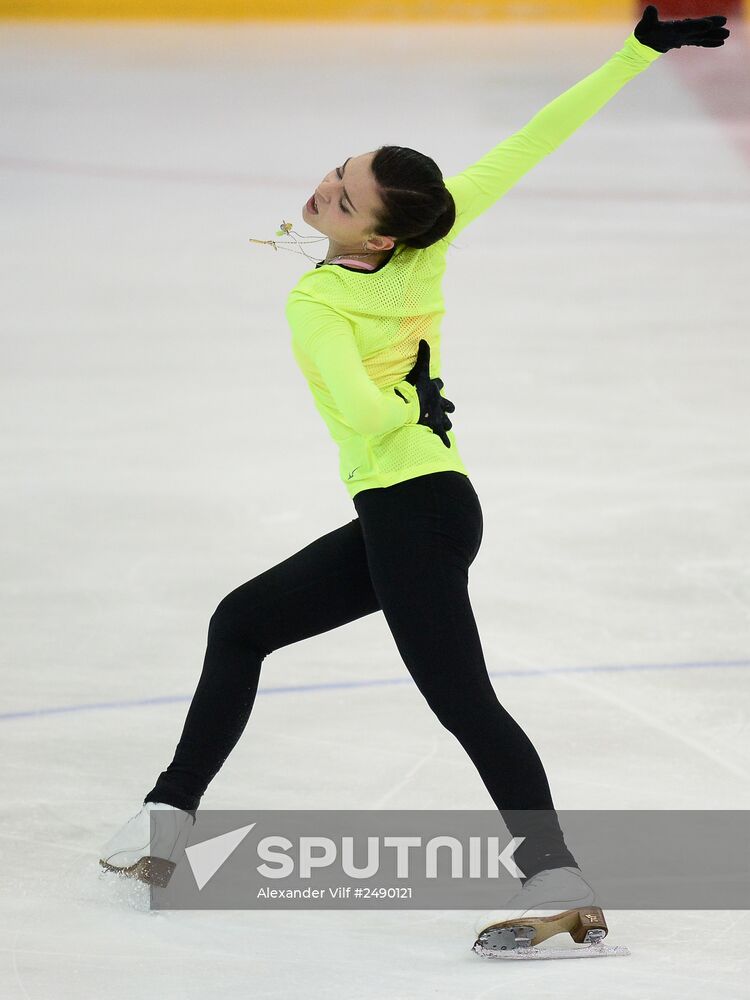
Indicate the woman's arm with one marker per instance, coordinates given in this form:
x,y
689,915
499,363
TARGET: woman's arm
x,y
481,185
327,339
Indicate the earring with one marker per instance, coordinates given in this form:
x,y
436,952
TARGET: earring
x,y
287,228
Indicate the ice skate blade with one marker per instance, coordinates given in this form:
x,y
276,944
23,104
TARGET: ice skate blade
x,y
152,871
535,954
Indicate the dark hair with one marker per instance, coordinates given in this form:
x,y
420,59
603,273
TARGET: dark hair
x,y
417,208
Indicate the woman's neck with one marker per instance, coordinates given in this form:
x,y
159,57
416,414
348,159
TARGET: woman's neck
x,y
367,257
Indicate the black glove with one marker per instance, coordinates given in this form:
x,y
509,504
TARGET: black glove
x,y
432,406
665,35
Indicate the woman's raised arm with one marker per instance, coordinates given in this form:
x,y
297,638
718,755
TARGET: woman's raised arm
x,y
487,180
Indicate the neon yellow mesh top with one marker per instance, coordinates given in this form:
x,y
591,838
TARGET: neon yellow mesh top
x,y
355,333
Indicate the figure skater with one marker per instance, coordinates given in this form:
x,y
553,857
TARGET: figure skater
x,y
365,325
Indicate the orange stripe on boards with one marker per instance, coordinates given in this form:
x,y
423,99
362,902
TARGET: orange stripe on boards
x,y
673,10
324,10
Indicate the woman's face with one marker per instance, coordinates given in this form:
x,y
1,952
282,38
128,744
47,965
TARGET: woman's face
x,y
346,200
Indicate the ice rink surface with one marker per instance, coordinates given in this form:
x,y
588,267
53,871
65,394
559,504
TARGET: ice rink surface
x,y
160,448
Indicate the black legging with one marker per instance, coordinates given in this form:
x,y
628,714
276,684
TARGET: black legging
x,y
407,554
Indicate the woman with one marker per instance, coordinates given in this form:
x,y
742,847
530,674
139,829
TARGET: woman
x,y
358,320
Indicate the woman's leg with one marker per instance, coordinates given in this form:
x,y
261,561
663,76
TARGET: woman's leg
x,y
324,585
421,536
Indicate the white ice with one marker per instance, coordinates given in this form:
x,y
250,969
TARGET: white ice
x,y
159,448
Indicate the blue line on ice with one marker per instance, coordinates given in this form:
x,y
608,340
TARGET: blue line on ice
x,y
375,682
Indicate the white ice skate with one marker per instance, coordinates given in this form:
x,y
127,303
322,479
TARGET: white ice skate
x,y
130,851
554,901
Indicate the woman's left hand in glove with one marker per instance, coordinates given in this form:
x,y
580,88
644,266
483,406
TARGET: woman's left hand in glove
x,y
432,406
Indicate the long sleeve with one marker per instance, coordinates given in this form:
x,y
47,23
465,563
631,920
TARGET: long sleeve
x,y
327,339
480,186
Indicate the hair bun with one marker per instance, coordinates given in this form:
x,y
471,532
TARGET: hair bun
x,y
440,227
417,208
